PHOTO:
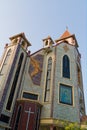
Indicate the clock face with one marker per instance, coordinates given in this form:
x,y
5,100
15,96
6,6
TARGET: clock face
x,y
65,94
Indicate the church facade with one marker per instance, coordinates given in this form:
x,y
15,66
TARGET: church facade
x,y
39,91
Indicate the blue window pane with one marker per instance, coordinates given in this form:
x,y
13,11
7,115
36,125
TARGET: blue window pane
x,y
66,67
65,95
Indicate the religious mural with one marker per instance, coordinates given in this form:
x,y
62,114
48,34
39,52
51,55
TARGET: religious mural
x,y
35,69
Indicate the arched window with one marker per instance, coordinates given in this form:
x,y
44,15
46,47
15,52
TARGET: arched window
x,y
48,80
66,67
13,87
18,117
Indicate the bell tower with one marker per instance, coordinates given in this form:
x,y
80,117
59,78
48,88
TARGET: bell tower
x,y
48,44
70,86
11,69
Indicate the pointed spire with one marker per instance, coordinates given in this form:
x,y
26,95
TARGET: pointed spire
x,y
68,37
65,34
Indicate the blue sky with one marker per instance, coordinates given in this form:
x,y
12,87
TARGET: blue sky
x,y
40,18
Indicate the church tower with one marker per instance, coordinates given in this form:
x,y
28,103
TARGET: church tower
x,y
63,85
11,69
70,84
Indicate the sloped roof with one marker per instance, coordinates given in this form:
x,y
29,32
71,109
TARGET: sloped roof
x,y
65,35
48,38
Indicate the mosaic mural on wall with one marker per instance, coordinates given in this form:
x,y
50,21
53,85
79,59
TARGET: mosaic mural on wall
x,y
35,68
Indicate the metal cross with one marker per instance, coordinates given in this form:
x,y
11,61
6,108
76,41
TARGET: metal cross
x,y
66,27
29,112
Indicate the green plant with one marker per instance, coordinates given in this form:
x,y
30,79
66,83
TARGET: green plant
x,y
72,126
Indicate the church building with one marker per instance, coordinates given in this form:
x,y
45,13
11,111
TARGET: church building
x,y
41,90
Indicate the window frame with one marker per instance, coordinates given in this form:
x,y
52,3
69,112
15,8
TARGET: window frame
x,y
66,68
31,94
14,83
65,102
48,80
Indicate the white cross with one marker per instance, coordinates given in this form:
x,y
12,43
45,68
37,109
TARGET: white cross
x,y
29,112
66,27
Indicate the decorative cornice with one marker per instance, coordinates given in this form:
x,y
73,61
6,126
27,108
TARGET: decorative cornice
x,y
29,100
20,35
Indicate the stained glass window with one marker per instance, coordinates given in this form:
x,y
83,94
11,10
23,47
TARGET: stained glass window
x,y
12,92
65,94
48,80
66,67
